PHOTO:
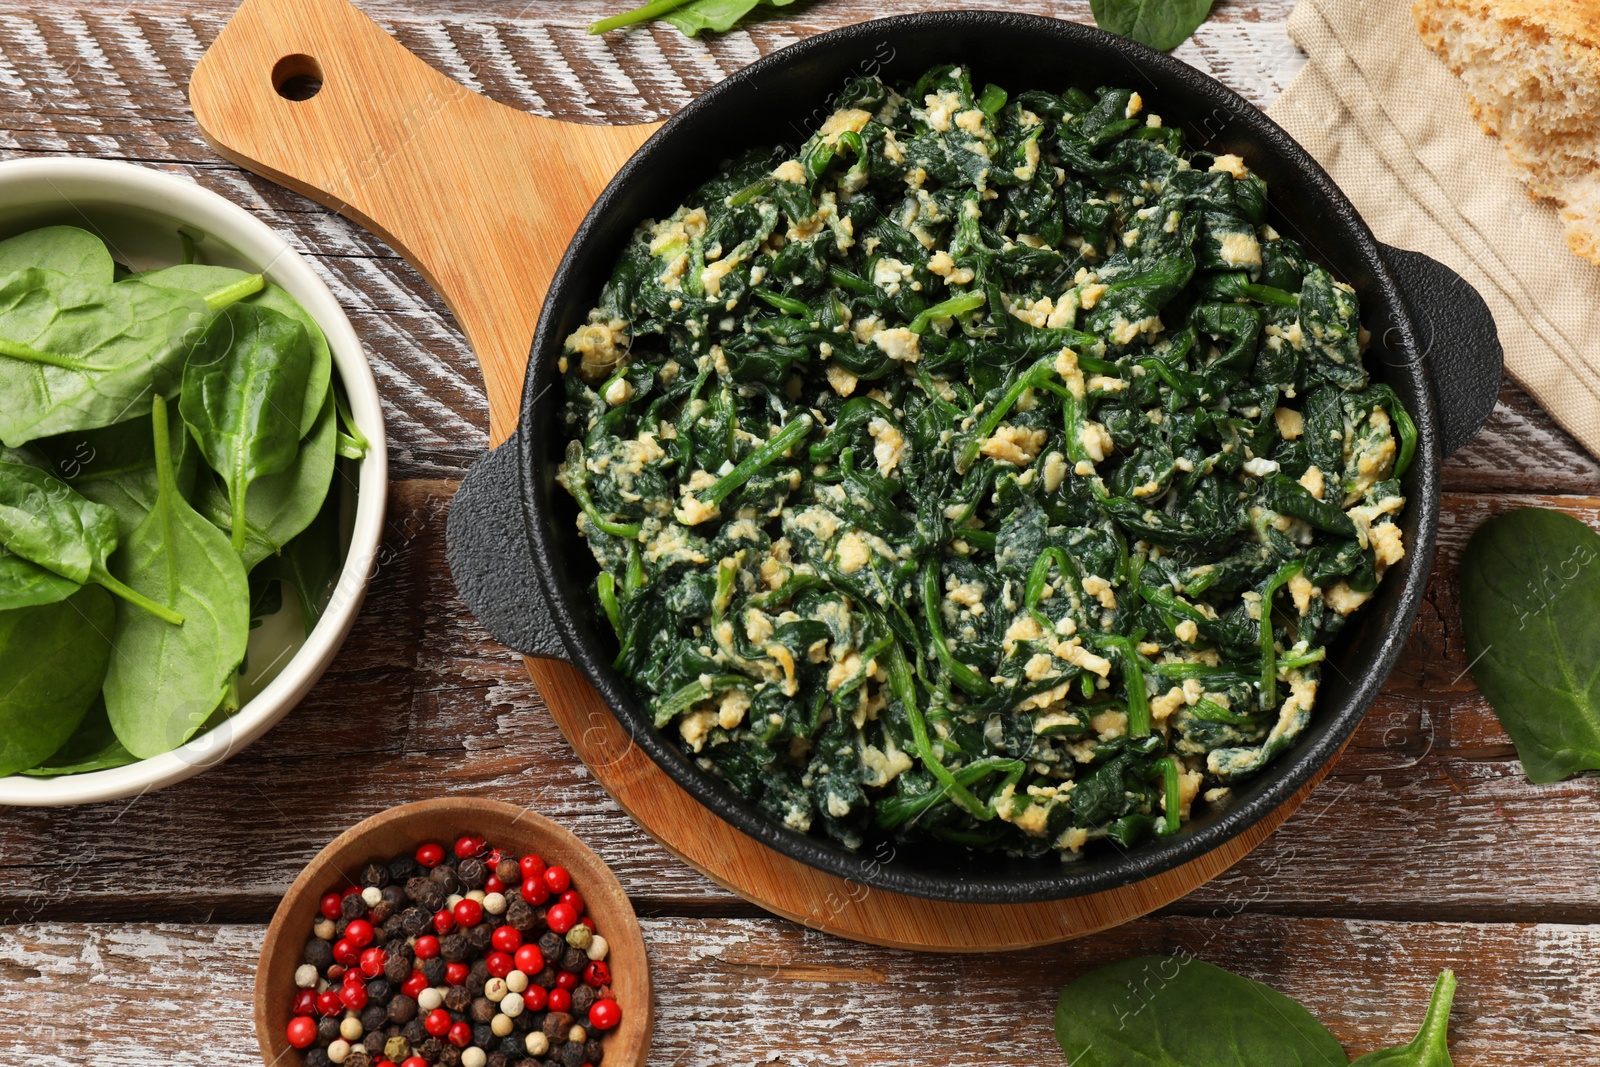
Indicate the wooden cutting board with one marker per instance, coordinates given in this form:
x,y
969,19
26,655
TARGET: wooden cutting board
x,y
482,199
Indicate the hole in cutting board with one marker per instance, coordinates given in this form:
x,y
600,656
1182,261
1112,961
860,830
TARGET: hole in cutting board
x,y
297,77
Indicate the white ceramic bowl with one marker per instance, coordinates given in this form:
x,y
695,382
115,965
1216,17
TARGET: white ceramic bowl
x,y
138,212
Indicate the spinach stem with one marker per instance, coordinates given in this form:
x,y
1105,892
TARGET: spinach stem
x,y
1169,778
950,308
103,577
905,691
959,672
649,11
18,350
1030,377
1269,649
776,447
232,294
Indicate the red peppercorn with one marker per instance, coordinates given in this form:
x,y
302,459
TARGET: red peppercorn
x,y
604,1014
431,854
373,961
437,1022
532,866
305,1002
535,997
302,1031
470,845
330,906
354,976
494,885
560,1000
329,1004
558,879
574,900
456,973
351,891
506,938
415,984
443,921
461,1035
560,918
529,959
499,964
359,933
469,912
566,980
589,922
535,892
335,971
492,860
597,974
346,953
427,947
354,995
414,1061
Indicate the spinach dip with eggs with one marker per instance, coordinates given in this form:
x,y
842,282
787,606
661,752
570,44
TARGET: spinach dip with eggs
x,y
987,470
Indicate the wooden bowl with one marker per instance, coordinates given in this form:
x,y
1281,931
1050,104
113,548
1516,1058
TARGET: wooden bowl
x,y
400,830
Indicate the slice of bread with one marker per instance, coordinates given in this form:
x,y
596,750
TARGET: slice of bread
x,y
1532,71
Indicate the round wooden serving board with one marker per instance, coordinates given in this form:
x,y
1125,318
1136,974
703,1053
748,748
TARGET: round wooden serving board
x,y
483,199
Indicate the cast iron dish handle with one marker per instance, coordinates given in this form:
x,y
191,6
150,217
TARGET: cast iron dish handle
x,y
492,561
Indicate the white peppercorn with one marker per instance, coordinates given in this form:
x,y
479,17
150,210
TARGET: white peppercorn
x,y
429,999
517,982
477,894
598,947
537,1044
340,1049
351,1029
512,1005
323,928
494,903
495,989
501,1025
372,895
452,900
578,1034
305,976
473,1057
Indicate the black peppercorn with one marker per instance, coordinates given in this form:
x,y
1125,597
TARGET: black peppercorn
x,y
316,1057
519,915
373,1016
318,953
479,936
509,872
379,990
483,1009
402,1009
572,1054
391,928
449,1056
552,945
497,1059
413,921
352,907
528,1020
375,875
453,948
427,893
511,1046
482,1035
339,927
396,896
594,1051
414,1032
429,1048
546,977
445,879
373,1043
433,971
402,868
573,959
456,998
327,1029
556,1025
358,1056
473,873
398,969
582,998
478,974
381,913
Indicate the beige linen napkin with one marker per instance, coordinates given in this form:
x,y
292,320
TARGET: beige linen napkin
x,y
1390,123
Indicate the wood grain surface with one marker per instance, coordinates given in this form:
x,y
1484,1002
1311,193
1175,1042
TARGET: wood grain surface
x,y
1425,848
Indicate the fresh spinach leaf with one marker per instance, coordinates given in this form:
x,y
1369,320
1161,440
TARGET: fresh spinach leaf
x,y
75,252
75,355
309,565
165,681
243,391
221,286
93,746
1427,1049
279,506
116,466
1159,1011
52,660
1530,580
24,583
1161,24
45,521
690,16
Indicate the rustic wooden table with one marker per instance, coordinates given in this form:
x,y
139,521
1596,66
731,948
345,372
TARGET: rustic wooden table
x,y
132,928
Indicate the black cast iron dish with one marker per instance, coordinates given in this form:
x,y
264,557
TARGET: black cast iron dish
x,y
519,563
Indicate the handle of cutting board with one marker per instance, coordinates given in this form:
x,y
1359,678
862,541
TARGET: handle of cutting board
x,y
481,198
1460,345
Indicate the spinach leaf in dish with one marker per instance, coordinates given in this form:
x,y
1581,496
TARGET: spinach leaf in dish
x,y
70,250
115,466
1530,580
987,470
93,746
52,660
165,681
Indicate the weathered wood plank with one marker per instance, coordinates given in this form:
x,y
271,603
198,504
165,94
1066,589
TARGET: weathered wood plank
x,y
765,991
1415,823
